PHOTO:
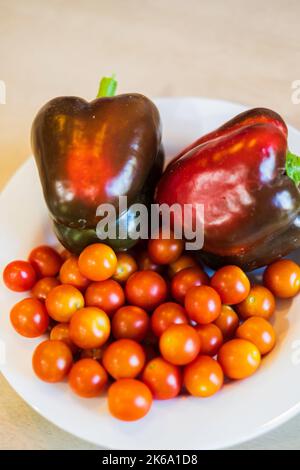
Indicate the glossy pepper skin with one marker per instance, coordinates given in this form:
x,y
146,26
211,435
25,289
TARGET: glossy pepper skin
x,y
89,153
238,172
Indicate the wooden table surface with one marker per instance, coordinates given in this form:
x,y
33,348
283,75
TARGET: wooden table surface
x,y
237,50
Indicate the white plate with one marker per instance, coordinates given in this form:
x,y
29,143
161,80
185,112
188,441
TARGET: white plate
x,y
242,410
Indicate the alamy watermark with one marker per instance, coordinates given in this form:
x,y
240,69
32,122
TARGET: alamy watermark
x,y
2,92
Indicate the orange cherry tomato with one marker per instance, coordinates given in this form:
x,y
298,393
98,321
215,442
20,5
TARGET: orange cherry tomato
x,y
52,360
70,274
165,250
126,265
61,332
63,301
282,278
19,276
203,377
180,344
43,286
260,332
239,358
184,261
130,322
129,399
231,283
227,321
107,295
45,260
203,304
29,318
163,379
211,338
165,315
260,302
185,279
87,378
97,262
145,263
89,327
146,289
124,359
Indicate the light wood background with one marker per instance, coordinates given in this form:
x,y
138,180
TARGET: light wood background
x,y
238,50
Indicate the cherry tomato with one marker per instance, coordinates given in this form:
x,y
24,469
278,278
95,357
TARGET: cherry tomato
x,y
107,295
87,378
227,321
124,359
130,322
239,358
97,262
145,263
203,304
165,250
89,327
65,254
126,265
180,344
146,289
63,301
184,261
260,302
61,332
165,315
231,283
45,260
185,279
211,338
282,278
260,332
52,360
19,276
203,377
29,318
43,286
70,274
129,399
163,379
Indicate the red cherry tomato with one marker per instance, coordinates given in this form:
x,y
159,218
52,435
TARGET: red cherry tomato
x,y
183,262
227,321
165,315
19,276
52,360
185,279
61,332
203,377
89,328
29,318
211,338
70,274
146,289
126,265
283,278
145,263
129,399
231,283
203,304
45,260
165,250
180,344
239,358
43,286
163,379
107,295
260,332
97,262
63,301
124,359
260,302
130,322
87,378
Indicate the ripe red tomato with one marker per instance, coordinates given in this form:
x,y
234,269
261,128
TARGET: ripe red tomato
x,y
184,261
63,301
227,321
89,327
61,332
203,304
260,332
203,377
126,265
107,295
163,379
165,250
185,279
19,276
45,260
130,322
87,378
97,262
124,359
283,278
52,360
146,289
231,283
43,286
166,314
145,263
259,303
29,318
129,399
211,338
239,358
70,274
180,344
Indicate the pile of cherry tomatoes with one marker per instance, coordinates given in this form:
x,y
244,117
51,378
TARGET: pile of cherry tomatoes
x,y
146,325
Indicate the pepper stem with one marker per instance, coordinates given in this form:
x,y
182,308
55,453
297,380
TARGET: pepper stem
x,y
292,167
107,87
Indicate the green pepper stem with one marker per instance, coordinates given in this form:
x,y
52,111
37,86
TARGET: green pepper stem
x,y
292,167
107,87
